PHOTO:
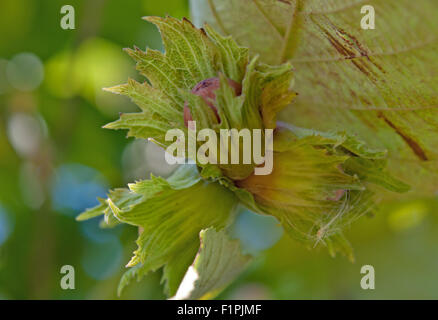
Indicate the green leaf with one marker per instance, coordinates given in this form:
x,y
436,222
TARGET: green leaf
x,y
234,58
349,143
218,262
276,92
379,85
229,106
121,197
150,100
142,125
93,212
374,172
171,214
160,72
368,164
188,49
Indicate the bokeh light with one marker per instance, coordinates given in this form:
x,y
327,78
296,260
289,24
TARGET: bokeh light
x,y
60,80
92,231
101,260
84,72
26,133
94,73
25,71
256,232
75,187
408,216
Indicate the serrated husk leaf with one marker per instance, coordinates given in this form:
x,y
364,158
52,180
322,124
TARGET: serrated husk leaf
x,y
171,214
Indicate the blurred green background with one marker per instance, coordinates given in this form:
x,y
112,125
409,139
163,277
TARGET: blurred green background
x,y
55,159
